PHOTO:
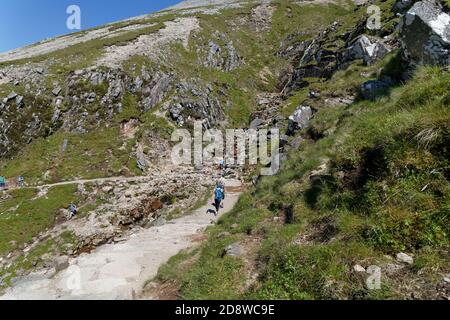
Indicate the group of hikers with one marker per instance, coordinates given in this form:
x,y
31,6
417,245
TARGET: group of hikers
x,y
3,182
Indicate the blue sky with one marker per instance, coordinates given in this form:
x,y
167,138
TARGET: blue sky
x,y
23,22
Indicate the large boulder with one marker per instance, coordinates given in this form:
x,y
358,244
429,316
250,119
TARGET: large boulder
x,y
299,119
425,34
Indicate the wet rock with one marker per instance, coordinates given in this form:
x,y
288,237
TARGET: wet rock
x,y
299,119
425,34
372,89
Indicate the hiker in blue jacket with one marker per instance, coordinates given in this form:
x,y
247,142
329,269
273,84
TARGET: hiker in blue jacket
x,y
218,197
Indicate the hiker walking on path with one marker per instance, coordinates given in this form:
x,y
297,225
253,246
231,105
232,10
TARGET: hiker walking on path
x,y
221,184
2,182
219,195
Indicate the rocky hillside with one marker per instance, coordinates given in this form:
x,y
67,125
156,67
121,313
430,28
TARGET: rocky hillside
x,y
364,115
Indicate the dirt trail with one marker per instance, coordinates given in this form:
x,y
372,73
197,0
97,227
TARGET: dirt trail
x,y
119,271
86,181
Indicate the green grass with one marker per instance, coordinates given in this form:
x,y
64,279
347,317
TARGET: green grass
x,y
22,218
91,155
386,191
38,256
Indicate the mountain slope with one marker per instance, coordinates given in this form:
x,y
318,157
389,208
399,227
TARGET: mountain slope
x,y
364,180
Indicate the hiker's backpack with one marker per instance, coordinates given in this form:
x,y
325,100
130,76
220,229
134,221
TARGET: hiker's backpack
x,y
219,193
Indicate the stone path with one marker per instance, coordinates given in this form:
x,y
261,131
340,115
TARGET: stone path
x,y
119,271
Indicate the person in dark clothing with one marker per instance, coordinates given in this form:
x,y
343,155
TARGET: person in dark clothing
x,y
73,210
20,181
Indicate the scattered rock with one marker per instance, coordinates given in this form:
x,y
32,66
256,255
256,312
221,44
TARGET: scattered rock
x,y
61,263
11,96
56,115
234,250
299,119
370,50
359,268
141,161
56,91
19,101
107,189
403,257
314,94
159,222
255,124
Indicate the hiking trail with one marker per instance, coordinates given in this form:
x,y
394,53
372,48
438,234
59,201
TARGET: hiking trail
x,y
119,271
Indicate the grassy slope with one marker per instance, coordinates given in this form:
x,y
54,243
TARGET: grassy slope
x,y
373,219
386,190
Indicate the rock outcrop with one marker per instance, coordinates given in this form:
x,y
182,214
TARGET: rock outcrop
x,y
370,50
220,54
196,102
425,34
299,119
